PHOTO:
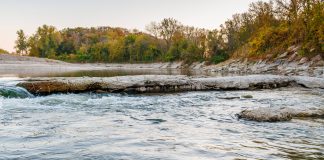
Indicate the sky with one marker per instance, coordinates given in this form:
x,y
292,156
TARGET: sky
x,y
131,14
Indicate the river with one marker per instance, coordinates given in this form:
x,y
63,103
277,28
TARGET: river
x,y
188,125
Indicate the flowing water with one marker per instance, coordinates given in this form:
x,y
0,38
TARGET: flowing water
x,y
189,125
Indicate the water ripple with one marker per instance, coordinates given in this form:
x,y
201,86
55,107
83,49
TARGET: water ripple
x,y
192,125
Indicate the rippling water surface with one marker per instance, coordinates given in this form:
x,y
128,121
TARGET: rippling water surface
x,y
190,125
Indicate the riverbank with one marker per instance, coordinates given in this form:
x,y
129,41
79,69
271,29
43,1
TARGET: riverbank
x,y
23,66
29,66
288,63
304,67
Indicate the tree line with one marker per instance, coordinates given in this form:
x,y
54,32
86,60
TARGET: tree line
x,y
2,51
267,28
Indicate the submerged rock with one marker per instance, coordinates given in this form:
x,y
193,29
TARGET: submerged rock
x,y
265,115
228,97
164,83
276,114
247,96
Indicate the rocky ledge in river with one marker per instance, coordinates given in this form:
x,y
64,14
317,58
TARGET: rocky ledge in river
x,y
164,83
275,114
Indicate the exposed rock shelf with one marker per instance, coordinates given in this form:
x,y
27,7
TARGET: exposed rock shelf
x,y
276,114
164,83
287,63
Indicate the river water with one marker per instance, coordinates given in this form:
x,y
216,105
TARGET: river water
x,y
188,125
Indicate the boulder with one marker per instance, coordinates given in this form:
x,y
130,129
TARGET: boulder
x,y
275,114
247,96
293,57
265,115
316,58
319,63
294,48
309,82
303,60
283,55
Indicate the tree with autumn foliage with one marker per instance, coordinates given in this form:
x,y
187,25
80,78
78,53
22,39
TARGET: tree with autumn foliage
x,y
267,28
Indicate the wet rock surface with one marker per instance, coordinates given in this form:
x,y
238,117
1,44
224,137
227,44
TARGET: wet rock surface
x,y
275,114
164,83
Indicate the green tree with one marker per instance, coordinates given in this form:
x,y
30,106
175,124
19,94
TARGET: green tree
x,y
266,28
45,42
21,43
2,51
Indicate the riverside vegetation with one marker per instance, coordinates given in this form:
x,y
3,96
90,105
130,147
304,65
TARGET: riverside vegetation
x,y
265,30
51,109
2,51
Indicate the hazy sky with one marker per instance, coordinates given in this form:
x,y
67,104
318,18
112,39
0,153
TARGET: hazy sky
x,y
29,14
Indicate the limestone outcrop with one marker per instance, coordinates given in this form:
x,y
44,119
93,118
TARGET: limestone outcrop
x,y
163,83
275,114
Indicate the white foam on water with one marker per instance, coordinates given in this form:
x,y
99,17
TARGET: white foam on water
x,y
9,81
180,125
1,102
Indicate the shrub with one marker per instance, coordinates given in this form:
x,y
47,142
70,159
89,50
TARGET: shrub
x,y
219,58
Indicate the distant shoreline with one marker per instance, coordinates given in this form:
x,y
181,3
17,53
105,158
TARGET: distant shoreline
x,y
14,65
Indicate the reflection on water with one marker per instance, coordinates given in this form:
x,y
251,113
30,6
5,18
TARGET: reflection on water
x,y
123,72
116,72
192,125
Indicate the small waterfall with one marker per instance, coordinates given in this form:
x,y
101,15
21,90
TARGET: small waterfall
x,y
14,92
